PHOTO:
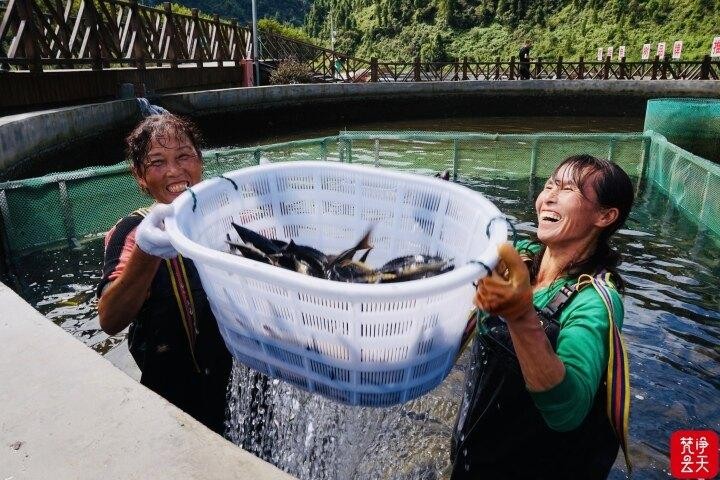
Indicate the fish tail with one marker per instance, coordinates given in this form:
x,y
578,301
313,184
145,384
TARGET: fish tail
x,y
364,242
363,259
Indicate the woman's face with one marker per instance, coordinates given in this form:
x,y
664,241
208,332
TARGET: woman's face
x,y
171,165
567,216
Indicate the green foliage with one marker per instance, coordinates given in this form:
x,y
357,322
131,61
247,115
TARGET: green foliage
x,y
289,72
482,29
274,26
290,11
485,29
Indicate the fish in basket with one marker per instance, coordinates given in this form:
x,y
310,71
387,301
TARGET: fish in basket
x,y
351,282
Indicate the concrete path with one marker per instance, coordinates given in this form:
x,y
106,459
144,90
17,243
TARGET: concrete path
x,y
68,413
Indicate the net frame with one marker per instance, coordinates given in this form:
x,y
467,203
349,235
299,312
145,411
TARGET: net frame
x,y
61,209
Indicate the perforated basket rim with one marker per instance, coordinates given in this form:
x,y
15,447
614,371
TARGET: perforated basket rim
x,y
351,291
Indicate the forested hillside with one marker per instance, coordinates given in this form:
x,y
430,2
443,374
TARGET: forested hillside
x,y
484,29
290,11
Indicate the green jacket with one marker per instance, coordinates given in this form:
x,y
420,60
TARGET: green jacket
x,y
582,346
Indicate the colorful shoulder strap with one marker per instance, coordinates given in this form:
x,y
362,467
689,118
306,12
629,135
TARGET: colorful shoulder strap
x,y
618,368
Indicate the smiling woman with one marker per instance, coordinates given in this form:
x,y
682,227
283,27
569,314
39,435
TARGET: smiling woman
x,y
165,156
173,334
549,365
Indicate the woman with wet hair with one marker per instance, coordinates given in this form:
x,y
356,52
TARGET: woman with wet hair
x,y
546,392
173,335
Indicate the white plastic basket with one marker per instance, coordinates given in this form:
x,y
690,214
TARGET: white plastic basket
x,y
372,345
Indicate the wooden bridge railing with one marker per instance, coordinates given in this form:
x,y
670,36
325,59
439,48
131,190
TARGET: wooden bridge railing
x,y
418,71
113,33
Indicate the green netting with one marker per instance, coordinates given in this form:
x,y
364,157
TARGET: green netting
x,y
690,123
68,207
691,182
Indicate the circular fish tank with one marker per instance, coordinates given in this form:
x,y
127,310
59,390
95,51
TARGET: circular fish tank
x,y
671,326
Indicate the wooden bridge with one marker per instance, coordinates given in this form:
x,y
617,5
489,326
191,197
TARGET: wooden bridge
x,y
63,51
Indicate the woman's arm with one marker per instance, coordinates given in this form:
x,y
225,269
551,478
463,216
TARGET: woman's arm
x,y
563,384
122,299
540,365
511,298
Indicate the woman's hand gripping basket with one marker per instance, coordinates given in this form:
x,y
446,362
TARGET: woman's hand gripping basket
x,y
359,344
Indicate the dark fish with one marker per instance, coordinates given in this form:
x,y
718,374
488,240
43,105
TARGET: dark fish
x,y
358,272
283,260
443,175
262,243
407,260
250,252
308,269
415,267
374,277
279,243
348,270
348,254
308,254
416,272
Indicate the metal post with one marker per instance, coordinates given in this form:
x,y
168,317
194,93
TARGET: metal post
x,y
706,198
323,149
611,149
332,32
5,214
67,216
456,158
533,158
256,53
644,159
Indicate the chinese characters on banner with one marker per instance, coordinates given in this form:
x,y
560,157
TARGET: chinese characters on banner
x,y
677,50
600,54
621,52
610,52
694,454
646,51
715,50
661,50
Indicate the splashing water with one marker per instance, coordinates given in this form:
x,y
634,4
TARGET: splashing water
x,y
311,437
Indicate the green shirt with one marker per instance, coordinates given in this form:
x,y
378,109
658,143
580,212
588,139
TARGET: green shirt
x,y
582,346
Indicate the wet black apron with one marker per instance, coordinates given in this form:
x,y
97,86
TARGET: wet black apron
x,y
500,433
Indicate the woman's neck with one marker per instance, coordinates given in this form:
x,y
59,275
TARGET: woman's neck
x,y
555,262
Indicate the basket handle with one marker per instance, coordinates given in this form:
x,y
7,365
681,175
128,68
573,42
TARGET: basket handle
x,y
151,236
489,259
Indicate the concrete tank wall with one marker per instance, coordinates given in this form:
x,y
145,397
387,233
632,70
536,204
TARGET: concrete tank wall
x,y
25,136
67,412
